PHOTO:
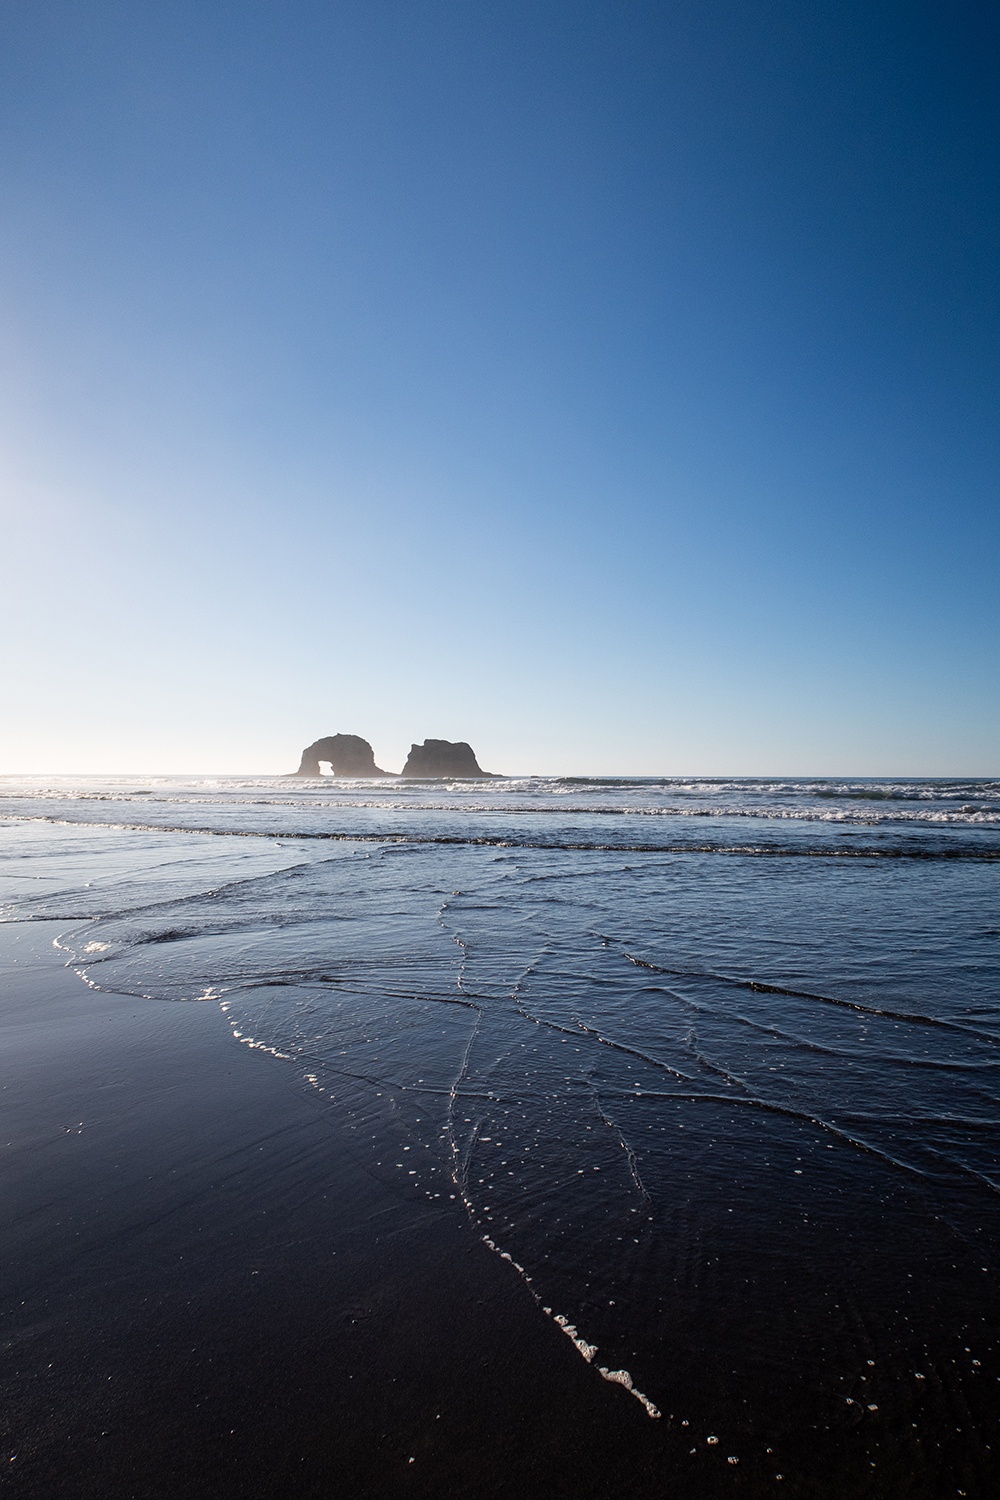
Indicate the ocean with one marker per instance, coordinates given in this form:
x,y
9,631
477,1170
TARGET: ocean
x,y
714,1064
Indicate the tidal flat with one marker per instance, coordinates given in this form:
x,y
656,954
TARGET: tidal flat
x,y
549,1136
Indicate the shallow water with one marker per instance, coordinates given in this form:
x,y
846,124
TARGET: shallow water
x,y
714,1063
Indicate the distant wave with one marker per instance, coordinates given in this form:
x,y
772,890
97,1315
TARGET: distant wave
x,y
514,841
873,789
963,805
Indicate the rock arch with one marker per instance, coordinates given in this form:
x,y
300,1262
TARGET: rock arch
x,y
348,754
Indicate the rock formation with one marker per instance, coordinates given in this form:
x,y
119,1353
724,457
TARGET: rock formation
x,y
443,758
348,754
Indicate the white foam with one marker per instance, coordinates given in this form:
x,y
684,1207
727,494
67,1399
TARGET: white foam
x,y
580,1344
623,1378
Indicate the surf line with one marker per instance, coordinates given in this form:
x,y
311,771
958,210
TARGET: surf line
x,y
459,1166
561,846
587,1351
458,1174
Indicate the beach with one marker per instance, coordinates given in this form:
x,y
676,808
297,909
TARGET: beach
x,y
206,1294
701,1195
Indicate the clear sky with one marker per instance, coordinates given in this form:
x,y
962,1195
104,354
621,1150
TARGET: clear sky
x,y
611,384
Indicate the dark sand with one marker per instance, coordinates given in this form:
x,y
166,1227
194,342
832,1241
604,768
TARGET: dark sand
x,y
205,1293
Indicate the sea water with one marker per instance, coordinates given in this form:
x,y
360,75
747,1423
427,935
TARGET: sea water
x,y
714,1064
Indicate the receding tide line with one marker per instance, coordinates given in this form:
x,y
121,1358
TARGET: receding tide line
x,y
587,1351
754,851
617,1377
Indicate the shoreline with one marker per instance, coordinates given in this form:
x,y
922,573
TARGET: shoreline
x,y
208,1290
204,1292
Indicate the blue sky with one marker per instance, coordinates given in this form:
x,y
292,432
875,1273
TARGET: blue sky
x,y
613,385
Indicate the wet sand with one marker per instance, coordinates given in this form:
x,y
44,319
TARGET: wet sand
x,y
215,1279
204,1292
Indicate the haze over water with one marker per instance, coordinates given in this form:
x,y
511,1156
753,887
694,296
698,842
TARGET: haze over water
x,y
713,1062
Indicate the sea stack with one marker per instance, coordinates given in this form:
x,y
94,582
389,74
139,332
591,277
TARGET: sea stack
x,y
348,754
435,759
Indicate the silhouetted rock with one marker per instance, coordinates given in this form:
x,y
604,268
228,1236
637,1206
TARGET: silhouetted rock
x,y
443,758
348,754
